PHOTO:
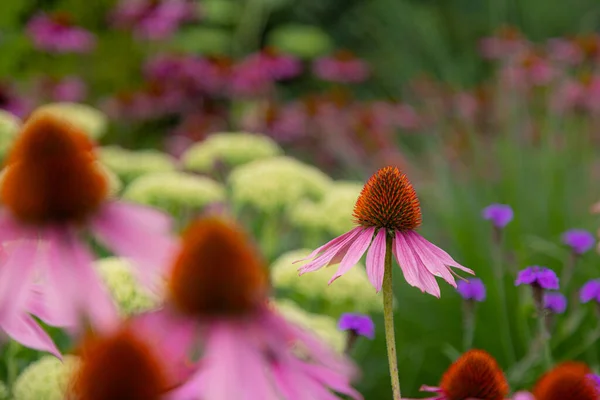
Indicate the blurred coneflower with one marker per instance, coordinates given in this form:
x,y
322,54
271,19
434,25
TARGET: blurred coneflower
x,y
56,33
567,381
53,190
341,67
218,289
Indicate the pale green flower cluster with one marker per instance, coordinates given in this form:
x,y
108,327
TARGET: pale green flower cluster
x,y
128,164
46,379
9,128
91,120
276,183
332,214
4,393
323,326
232,149
174,190
351,293
130,297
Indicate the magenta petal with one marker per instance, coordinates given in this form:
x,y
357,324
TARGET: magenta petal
x,y
330,254
330,244
25,330
441,254
376,260
38,305
15,276
355,252
429,260
415,273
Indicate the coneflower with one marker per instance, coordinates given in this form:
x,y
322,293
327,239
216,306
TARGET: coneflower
x,y
567,381
52,191
387,213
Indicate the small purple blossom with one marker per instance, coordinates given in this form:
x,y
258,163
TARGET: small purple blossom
x,y
360,324
596,380
579,240
538,276
473,289
56,34
499,214
555,302
590,291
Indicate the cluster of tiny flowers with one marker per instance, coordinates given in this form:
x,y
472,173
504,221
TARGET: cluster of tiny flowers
x,y
128,164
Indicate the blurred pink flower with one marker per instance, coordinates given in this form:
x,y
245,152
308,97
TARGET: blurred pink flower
x,y
250,78
11,102
286,123
564,51
56,34
507,43
279,66
67,89
342,67
568,96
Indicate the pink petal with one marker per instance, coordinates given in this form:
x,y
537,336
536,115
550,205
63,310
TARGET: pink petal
x,y
330,244
355,252
38,305
441,254
329,255
415,273
431,262
25,330
376,260
11,230
16,274
333,380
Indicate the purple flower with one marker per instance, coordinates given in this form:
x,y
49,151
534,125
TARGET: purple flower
x,y
579,240
279,66
590,291
360,324
595,380
538,276
499,214
473,289
342,67
57,34
555,302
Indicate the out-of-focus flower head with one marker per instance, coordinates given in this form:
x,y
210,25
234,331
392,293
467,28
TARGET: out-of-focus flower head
x,y
337,298
276,183
507,42
279,66
475,375
285,123
154,20
130,164
579,240
499,214
528,70
130,106
567,381
564,51
56,33
173,191
91,120
589,45
12,102
343,67
47,378
590,291
232,149
522,395
473,289
67,89
538,276
555,302
360,324
249,78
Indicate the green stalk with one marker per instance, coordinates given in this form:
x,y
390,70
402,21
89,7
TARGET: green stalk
x,y
468,324
388,314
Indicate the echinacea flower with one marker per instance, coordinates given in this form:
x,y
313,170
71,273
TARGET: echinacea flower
x,y
579,240
475,375
279,66
590,291
522,395
53,190
360,324
218,287
555,302
342,67
499,214
387,209
567,381
538,276
473,289
56,33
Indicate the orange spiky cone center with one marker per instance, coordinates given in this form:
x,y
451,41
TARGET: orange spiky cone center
x,y
51,175
118,367
217,272
567,381
476,375
388,200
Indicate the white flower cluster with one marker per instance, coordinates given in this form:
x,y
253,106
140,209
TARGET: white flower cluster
x,y
46,379
128,164
276,183
174,190
232,149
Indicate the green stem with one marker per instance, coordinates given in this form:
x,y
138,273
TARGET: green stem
x,y
505,336
545,339
469,324
11,363
388,313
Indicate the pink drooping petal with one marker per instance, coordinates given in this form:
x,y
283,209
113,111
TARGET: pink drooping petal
x,y
431,262
355,252
333,380
11,230
376,260
441,254
330,244
39,305
25,330
140,234
415,273
16,273
331,252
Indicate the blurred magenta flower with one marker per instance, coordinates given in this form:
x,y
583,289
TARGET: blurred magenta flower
x,y
56,33
249,78
53,191
596,380
278,66
535,275
360,324
66,89
474,375
342,67
217,292
508,42
499,214
522,395
579,240
154,19
387,209
13,103
590,291
564,51
555,302
473,289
